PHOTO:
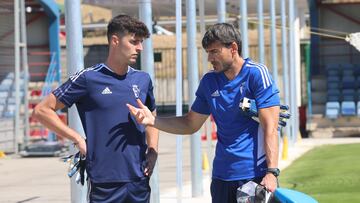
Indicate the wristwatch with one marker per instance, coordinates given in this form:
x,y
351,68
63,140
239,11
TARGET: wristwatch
x,y
274,171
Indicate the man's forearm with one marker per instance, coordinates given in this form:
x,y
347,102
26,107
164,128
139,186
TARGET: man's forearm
x,y
49,119
174,125
181,125
269,121
271,148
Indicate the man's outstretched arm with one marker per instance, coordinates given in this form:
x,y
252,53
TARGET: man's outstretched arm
x,y
45,112
187,124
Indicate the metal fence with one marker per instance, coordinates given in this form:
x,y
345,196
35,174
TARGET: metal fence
x,y
12,126
7,63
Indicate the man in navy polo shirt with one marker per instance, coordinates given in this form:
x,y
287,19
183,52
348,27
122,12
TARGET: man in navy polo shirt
x,y
246,150
119,161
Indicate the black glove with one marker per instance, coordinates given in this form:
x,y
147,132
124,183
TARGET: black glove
x,y
78,165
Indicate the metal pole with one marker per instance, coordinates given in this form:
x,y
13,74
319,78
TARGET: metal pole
x,y
179,139
17,74
221,11
147,56
192,64
147,64
285,59
273,41
202,32
261,32
308,77
75,63
297,68
292,71
204,63
244,28
26,72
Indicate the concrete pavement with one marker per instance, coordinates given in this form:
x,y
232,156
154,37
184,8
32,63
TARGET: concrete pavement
x,y
44,180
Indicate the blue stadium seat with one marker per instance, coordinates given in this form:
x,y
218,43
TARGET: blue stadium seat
x,y
333,98
348,95
357,70
357,82
333,78
332,110
358,108
347,66
7,81
348,72
9,114
11,107
21,93
348,98
332,66
333,91
5,87
348,108
333,95
4,94
357,94
333,85
333,72
10,75
348,82
11,100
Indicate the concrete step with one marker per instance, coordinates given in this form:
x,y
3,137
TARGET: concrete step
x,y
320,121
335,132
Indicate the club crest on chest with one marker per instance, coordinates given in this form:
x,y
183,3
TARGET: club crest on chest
x,y
136,91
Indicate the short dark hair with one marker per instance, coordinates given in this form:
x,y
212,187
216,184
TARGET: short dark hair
x,y
124,24
224,33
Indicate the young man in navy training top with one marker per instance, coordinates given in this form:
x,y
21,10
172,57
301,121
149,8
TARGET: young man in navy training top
x,y
246,150
119,161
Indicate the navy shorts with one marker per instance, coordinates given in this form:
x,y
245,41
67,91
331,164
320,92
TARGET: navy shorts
x,y
136,191
225,191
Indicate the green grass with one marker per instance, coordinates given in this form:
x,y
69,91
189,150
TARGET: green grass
x,y
329,173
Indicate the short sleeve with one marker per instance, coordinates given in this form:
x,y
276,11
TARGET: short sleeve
x,y
264,89
150,99
200,104
72,90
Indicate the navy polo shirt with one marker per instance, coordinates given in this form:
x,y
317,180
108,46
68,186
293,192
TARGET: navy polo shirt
x,y
115,141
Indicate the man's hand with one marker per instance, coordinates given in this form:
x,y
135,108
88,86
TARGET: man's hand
x,y
81,146
151,157
270,182
142,114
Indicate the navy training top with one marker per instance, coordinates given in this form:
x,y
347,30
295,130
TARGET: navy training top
x,y
115,141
